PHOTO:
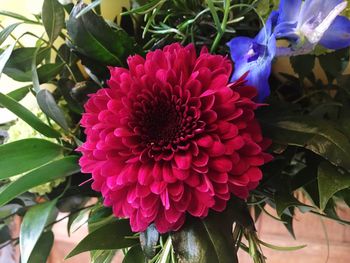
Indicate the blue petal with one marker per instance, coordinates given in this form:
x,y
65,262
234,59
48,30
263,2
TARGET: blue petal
x,y
338,34
315,11
259,70
289,11
240,48
265,33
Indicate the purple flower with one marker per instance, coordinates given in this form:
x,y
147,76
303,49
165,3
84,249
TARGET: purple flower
x,y
313,22
254,55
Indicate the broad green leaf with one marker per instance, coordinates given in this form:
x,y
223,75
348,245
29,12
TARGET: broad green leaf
x,y
24,155
5,55
149,240
48,105
207,240
284,200
27,116
303,65
108,237
88,8
18,94
49,71
94,38
334,63
134,255
19,65
7,31
318,136
42,248
44,174
32,226
18,17
330,181
53,18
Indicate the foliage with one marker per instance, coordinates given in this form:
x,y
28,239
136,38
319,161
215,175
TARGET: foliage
x,y
307,119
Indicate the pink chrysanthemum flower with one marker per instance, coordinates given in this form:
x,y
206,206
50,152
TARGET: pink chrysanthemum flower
x,y
171,136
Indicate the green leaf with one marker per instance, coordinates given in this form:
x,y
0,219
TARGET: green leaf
x,y
94,38
44,174
19,65
18,94
35,77
330,181
42,248
24,155
303,65
207,240
53,18
111,236
66,87
149,240
27,116
102,256
284,200
318,136
7,31
48,105
32,226
334,63
48,72
5,55
134,255
88,8
18,17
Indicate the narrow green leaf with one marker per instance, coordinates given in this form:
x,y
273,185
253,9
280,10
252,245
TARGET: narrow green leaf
x,y
48,105
18,94
32,226
35,77
24,155
5,55
111,236
18,17
44,174
42,248
281,248
7,31
103,256
53,18
27,116
330,181
88,8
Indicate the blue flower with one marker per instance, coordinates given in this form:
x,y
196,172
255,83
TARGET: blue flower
x,y
313,22
254,55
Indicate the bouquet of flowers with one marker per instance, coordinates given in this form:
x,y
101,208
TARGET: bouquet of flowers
x,y
171,127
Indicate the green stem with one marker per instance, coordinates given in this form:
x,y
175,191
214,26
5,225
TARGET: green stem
x,y
222,27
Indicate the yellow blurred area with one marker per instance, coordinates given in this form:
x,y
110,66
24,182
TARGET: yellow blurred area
x,y
110,9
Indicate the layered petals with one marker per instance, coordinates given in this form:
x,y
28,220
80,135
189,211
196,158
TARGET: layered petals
x,y
171,136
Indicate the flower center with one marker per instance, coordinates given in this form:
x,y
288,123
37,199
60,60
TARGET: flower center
x,y
165,122
161,123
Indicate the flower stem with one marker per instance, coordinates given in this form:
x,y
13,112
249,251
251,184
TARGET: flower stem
x,y
222,28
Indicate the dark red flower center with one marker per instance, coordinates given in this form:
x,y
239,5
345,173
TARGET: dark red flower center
x,y
165,122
